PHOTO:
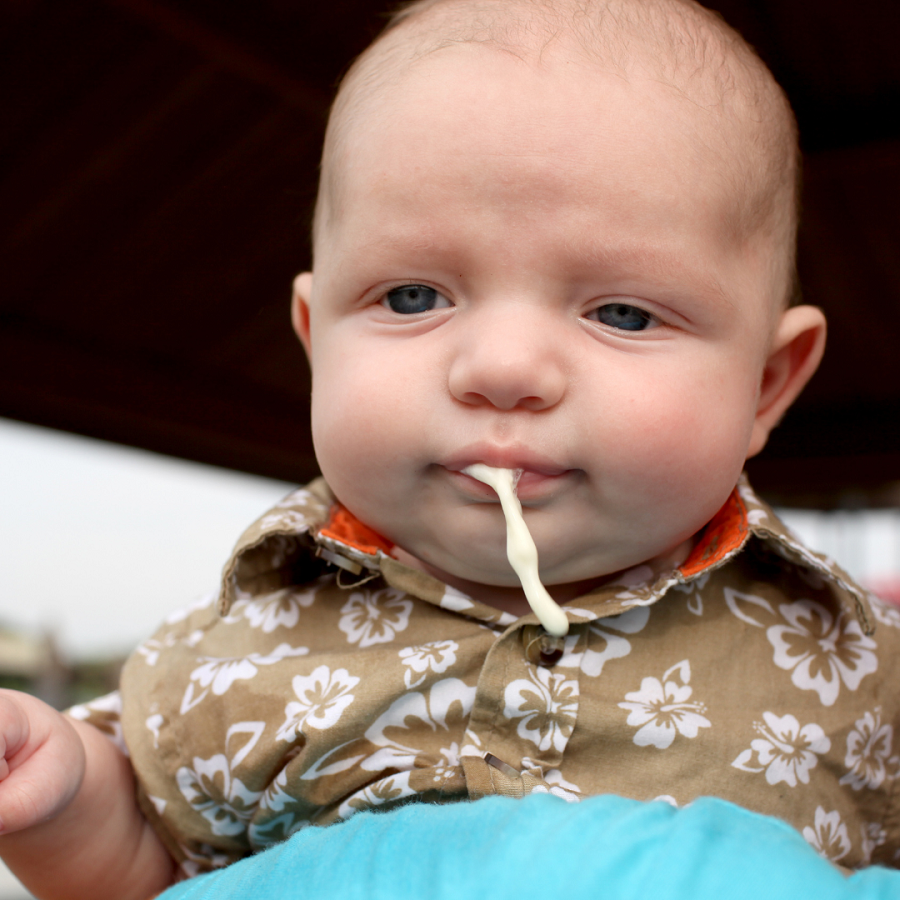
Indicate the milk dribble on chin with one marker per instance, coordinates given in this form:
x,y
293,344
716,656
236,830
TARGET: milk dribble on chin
x,y
520,548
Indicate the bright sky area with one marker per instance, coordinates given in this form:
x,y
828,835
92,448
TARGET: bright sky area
x,y
99,542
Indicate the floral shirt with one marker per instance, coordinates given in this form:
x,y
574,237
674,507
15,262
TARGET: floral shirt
x,y
326,677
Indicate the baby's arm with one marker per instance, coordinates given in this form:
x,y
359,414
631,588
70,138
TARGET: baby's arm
x,y
69,823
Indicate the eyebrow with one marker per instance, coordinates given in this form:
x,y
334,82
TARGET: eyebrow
x,y
634,261
625,260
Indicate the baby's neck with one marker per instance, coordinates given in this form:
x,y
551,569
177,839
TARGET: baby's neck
x,y
512,599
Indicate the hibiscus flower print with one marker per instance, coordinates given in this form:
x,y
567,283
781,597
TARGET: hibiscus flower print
x,y
442,711
873,836
884,612
285,520
224,801
821,651
322,698
436,656
299,497
829,835
385,790
607,641
784,751
218,674
279,815
150,650
662,708
546,705
200,858
280,609
374,617
179,615
154,723
448,765
105,714
562,793
869,752
555,783
694,591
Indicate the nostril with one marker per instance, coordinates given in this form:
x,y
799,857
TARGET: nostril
x,y
472,398
505,400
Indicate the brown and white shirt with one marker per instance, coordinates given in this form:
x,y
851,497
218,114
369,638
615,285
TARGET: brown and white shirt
x,y
326,677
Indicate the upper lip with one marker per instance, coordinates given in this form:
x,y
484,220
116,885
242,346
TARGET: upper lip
x,y
513,456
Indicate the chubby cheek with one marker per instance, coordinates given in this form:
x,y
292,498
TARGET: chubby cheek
x,y
681,441
359,428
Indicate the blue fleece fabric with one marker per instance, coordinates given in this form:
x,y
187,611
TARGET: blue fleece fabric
x,y
542,848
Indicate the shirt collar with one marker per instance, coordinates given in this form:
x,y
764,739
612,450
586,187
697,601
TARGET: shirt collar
x,y
298,537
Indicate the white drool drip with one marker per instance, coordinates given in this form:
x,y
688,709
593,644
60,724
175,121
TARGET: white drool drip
x,y
520,548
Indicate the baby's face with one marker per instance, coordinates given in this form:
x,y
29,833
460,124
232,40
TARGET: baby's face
x,y
531,269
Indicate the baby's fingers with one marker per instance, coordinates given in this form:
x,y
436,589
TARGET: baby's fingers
x,y
13,731
42,762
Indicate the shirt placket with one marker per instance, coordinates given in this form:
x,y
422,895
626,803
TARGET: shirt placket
x,y
525,710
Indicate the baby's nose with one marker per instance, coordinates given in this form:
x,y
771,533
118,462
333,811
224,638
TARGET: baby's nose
x,y
510,362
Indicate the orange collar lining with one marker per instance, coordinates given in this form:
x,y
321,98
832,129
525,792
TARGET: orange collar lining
x,y
344,527
723,534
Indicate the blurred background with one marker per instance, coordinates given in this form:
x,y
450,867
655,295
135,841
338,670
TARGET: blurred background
x,y
157,173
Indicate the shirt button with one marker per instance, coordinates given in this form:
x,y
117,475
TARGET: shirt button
x,y
541,648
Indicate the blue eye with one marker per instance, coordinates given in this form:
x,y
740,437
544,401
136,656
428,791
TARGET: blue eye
x,y
623,317
409,299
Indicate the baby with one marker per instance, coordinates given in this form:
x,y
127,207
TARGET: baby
x,y
554,236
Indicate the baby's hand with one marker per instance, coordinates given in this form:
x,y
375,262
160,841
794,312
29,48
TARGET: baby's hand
x,y
41,761
67,795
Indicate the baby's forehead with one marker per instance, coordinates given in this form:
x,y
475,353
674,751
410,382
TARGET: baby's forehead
x,y
542,103
673,42
700,60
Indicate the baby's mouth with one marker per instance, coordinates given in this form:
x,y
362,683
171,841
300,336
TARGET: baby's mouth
x,y
534,481
532,485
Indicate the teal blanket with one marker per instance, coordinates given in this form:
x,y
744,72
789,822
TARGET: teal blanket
x,y
542,847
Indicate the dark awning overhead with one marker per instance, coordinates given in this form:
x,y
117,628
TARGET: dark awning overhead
x,y
158,171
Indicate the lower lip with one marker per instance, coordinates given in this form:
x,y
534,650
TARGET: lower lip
x,y
530,486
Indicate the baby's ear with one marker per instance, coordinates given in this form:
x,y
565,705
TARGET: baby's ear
x,y
795,353
300,308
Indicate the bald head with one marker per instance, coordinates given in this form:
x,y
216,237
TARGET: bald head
x,y
704,63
